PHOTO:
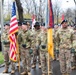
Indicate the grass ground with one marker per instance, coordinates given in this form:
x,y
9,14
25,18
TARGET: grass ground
x,y
1,58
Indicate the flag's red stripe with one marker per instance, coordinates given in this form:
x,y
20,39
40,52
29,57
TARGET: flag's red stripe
x,y
13,19
13,25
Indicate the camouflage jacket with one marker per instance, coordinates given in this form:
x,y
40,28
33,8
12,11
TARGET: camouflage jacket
x,y
64,38
42,41
74,40
5,38
24,38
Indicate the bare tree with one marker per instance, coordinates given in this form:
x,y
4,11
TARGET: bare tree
x,y
69,15
20,10
75,10
56,10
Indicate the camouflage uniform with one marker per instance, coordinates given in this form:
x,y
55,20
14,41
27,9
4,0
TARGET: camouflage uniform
x,y
74,47
64,39
42,41
24,44
6,44
33,37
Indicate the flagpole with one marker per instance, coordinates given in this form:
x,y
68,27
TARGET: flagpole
x,y
48,64
18,53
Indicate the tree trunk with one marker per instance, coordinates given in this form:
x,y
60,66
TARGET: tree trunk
x,y
20,10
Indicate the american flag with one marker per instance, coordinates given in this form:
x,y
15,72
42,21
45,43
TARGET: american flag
x,y
12,37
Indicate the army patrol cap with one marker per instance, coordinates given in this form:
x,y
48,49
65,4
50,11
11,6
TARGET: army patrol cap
x,y
24,23
7,24
19,24
36,24
64,21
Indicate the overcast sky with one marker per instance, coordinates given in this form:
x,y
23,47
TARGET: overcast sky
x,y
65,4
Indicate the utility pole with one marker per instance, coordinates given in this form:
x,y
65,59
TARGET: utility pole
x,y
1,3
75,11
1,16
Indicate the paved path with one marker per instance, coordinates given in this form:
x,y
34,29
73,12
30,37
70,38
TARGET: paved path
x,y
56,70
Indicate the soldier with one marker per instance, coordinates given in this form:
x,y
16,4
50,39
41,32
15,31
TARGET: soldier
x,y
74,50
24,44
42,42
64,40
34,47
6,44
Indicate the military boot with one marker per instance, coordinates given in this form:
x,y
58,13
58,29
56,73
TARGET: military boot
x,y
24,73
5,71
43,74
39,66
33,66
67,73
13,71
29,73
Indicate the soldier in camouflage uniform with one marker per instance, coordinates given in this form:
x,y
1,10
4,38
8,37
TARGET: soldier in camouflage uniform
x,y
42,42
64,40
24,43
74,49
6,44
33,44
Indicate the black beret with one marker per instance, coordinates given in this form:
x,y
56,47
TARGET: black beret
x,y
43,24
36,24
7,24
64,21
24,23
19,24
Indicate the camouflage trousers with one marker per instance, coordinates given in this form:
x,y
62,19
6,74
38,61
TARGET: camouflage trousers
x,y
26,59
73,59
35,55
6,59
65,60
44,62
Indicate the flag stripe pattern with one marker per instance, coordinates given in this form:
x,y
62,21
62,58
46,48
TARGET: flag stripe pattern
x,y
12,37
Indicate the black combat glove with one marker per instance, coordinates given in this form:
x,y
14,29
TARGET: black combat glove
x,y
24,45
6,42
72,50
30,51
43,46
57,51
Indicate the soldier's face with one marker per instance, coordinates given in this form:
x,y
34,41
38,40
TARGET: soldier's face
x,y
24,27
7,27
64,25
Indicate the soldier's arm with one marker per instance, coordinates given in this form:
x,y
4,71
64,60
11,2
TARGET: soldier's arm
x,y
19,38
57,41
